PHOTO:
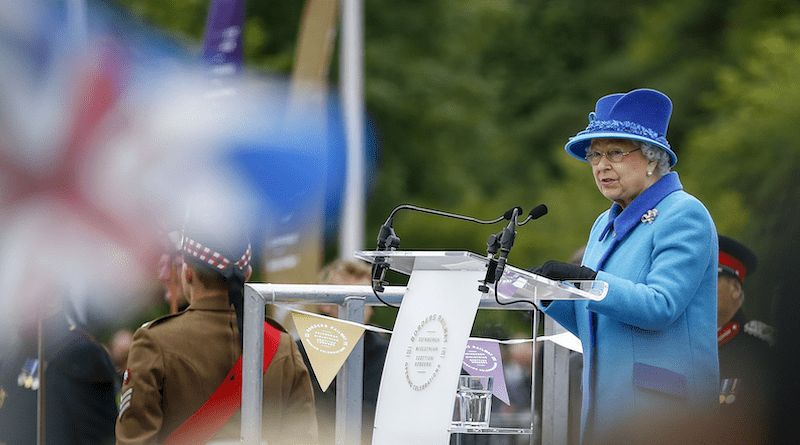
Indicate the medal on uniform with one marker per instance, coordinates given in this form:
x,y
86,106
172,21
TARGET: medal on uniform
x,y
727,391
29,378
731,397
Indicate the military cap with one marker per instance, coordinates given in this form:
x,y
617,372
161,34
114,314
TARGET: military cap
x,y
735,257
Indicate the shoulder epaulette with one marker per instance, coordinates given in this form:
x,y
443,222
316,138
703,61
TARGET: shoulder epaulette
x,y
760,330
163,318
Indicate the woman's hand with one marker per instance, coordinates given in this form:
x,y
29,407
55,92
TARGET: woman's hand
x,y
559,270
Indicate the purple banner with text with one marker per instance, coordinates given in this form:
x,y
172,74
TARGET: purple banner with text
x,y
222,40
482,358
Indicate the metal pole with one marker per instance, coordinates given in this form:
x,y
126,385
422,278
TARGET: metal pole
x,y
349,381
40,393
252,378
270,293
535,328
555,388
352,85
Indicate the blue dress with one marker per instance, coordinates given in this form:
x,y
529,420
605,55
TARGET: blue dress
x,y
650,347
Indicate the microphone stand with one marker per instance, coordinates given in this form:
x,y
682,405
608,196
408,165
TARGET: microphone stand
x,y
502,241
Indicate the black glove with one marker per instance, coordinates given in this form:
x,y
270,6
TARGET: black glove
x,y
559,270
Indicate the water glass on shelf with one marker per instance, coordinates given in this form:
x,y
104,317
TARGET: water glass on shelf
x,y
473,403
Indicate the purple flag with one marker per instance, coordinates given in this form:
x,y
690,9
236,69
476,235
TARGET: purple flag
x,y
222,40
482,358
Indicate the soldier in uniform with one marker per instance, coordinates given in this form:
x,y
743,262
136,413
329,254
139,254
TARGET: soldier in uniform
x,y
745,353
178,361
79,400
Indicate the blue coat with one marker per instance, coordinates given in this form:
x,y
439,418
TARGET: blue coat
x,y
651,345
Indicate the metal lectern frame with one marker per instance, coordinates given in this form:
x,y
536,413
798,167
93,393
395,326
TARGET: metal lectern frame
x,y
516,285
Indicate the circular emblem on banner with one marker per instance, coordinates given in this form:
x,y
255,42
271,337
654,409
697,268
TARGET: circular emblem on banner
x,y
479,359
325,338
425,352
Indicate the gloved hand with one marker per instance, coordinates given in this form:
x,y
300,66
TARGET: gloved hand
x,y
559,270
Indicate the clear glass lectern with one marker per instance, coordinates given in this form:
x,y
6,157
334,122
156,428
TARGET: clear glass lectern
x,y
515,284
432,329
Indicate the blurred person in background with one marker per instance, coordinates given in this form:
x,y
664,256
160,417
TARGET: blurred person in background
x,y
351,272
746,358
649,347
169,267
518,372
79,380
118,348
178,363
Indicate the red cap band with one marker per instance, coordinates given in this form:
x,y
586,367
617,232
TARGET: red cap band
x,y
733,263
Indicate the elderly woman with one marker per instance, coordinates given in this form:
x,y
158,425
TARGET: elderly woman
x,y
649,346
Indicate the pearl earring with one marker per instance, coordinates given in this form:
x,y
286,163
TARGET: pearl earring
x,y
649,174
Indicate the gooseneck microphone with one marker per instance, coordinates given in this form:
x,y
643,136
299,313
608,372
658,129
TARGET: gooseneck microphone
x,y
503,242
535,213
512,213
388,239
507,237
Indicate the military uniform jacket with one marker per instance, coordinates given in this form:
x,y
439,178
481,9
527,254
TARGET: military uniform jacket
x,y
176,362
80,389
746,368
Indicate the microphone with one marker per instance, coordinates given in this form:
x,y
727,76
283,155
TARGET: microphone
x,y
510,213
507,237
503,242
535,213
388,239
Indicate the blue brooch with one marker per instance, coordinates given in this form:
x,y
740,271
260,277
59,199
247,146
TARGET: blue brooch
x,y
650,216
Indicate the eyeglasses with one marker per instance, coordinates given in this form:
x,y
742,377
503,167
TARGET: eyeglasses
x,y
613,155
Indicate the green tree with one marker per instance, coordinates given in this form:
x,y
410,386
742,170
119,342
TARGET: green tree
x,y
747,161
473,101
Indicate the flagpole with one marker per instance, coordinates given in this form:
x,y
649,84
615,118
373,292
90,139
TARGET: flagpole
x,y
40,375
352,84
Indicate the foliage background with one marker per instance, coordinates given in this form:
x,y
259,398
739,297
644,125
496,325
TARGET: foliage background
x,y
473,101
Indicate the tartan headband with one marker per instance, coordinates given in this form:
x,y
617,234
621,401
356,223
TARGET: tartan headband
x,y
213,258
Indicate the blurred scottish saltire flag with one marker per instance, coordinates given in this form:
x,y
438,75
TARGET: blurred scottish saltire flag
x,y
110,132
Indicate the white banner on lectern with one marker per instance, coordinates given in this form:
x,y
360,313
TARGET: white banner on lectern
x,y
418,386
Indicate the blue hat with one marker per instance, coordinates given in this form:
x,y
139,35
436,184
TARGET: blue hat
x,y
641,115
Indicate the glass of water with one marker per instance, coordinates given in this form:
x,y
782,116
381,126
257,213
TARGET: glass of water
x,y
474,400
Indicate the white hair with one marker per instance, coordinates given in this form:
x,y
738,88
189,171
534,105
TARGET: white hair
x,y
658,154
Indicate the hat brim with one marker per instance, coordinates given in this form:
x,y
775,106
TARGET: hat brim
x,y
577,145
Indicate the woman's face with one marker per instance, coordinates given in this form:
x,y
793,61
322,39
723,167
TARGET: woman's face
x,y
622,181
